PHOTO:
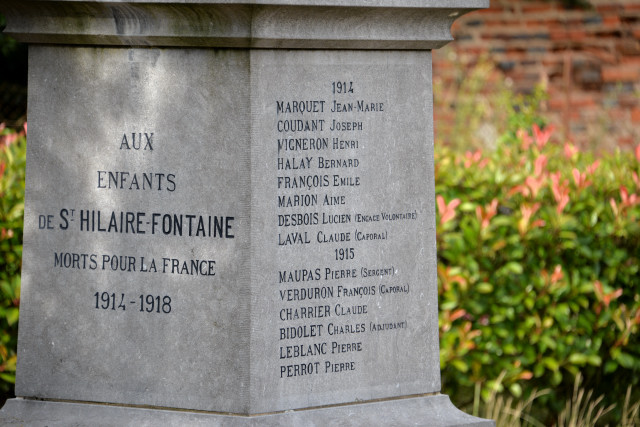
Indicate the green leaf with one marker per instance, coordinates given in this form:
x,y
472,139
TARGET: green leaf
x,y
516,389
578,359
625,360
459,365
10,378
484,288
594,360
551,363
610,367
513,267
467,207
12,316
16,211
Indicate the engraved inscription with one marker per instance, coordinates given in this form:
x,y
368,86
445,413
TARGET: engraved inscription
x,y
140,224
327,153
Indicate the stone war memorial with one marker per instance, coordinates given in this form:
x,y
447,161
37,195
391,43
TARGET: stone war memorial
x,y
230,214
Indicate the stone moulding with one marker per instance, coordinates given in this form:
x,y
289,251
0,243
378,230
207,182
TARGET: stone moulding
x,y
428,411
262,24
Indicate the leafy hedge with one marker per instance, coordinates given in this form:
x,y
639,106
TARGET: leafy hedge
x,y
12,170
538,269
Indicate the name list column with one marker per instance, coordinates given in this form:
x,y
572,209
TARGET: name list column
x,y
327,158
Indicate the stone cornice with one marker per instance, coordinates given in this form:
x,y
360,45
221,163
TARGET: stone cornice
x,y
286,24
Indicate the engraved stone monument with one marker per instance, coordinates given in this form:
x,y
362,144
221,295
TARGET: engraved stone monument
x,y
230,213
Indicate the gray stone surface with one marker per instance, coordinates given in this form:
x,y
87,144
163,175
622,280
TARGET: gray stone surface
x,y
297,24
191,351
428,411
375,202
238,231
333,230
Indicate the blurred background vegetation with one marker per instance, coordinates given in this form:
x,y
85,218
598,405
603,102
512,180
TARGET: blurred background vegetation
x,y
538,271
538,234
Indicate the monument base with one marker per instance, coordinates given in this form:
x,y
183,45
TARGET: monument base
x,y
433,411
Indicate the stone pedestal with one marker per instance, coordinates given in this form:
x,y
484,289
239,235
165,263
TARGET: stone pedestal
x,y
230,214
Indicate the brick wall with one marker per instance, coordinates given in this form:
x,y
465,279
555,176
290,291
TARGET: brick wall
x,y
587,59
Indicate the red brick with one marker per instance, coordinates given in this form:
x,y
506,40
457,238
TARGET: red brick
x,y
628,47
581,100
626,141
537,8
492,9
558,34
557,104
575,115
476,51
494,23
618,114
628,100
635,115
553,91
631,60
553,61
620,74
576,35
611,21
608,8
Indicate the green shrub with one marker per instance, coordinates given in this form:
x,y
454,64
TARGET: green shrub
x,y
12,170
538,268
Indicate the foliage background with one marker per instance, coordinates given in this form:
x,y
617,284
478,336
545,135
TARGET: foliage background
x,y
12,170
538,268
